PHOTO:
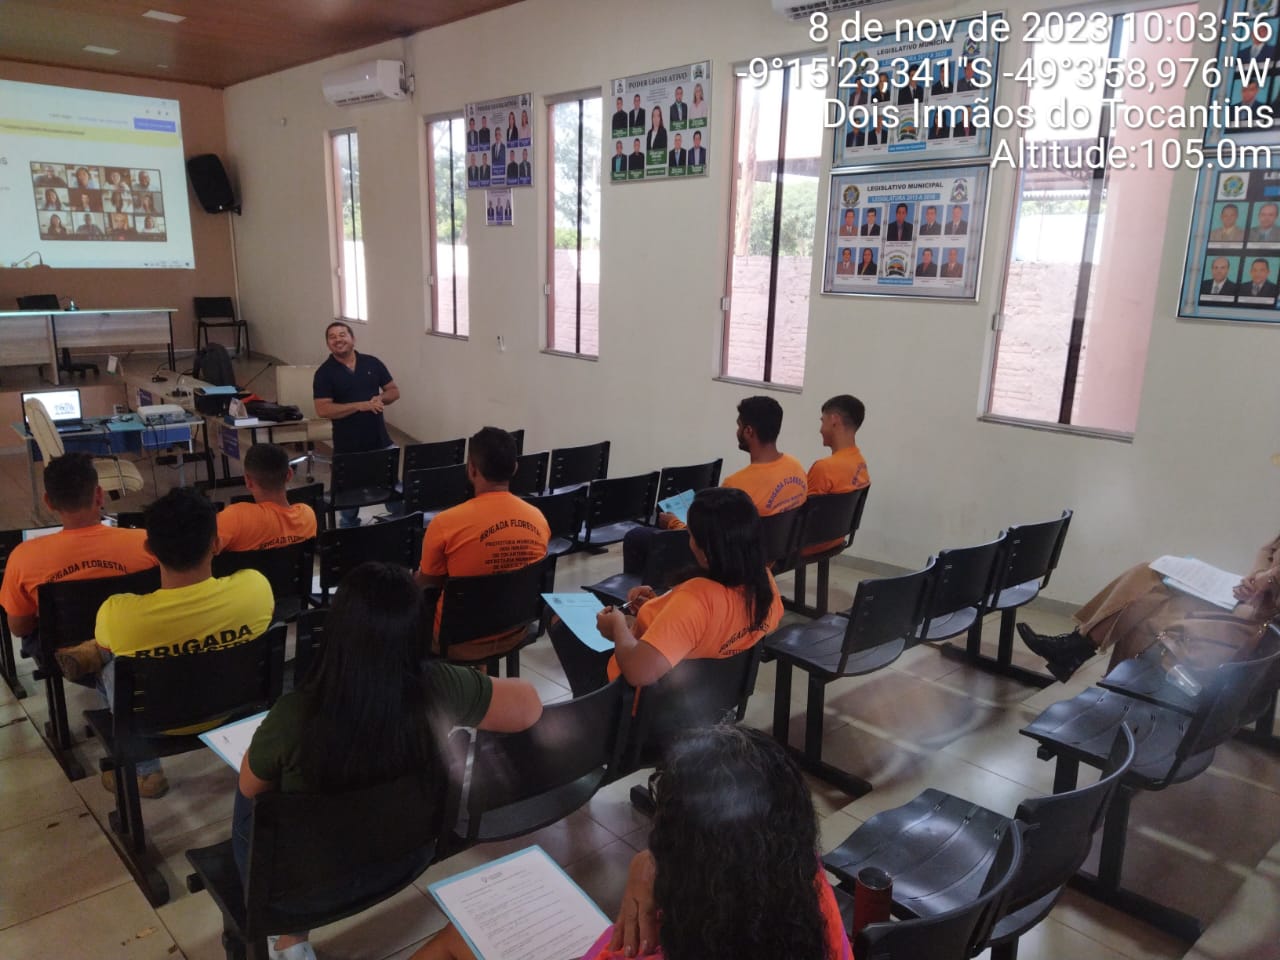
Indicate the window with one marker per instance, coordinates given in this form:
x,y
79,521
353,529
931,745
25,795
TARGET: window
x,y
775,208
573,269
353,290
447,181
1079,296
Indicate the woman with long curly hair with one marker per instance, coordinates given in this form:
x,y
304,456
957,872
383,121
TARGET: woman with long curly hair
x,y
732,869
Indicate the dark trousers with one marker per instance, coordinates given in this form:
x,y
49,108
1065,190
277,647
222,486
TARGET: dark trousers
x,y
586,669
635,549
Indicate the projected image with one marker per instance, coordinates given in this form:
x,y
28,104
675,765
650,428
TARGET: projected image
x,y
77,201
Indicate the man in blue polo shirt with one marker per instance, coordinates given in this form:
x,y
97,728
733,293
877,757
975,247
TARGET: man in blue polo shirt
x,y
352,389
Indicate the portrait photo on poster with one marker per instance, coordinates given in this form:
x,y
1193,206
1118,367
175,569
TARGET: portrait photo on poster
x,y
906,232
497,207
913,100
1244,105
658,124
1232,266
500,142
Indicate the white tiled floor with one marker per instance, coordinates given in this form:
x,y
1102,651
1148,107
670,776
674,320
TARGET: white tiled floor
x,y
925,721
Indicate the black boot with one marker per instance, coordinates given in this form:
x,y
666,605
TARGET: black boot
x,y
1063,653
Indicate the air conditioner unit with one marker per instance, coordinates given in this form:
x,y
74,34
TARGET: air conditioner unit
x,y
366,82
801,9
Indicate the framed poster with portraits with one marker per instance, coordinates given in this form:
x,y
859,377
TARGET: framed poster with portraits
x,y
908,101
1232,267
906,232
1245,103
658,125
500,147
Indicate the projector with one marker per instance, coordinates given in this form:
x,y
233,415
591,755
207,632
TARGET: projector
x,y
158,413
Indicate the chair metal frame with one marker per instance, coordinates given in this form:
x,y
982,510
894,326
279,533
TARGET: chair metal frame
x,y
8,661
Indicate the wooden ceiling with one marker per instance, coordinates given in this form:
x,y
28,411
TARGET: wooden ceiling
x,y
220,42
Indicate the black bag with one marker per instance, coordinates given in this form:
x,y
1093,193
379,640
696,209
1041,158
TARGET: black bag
x,y
275,412
213,365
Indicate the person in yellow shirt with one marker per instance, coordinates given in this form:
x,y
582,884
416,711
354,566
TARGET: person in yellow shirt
x,y
845,470
271,520
192,614
727,604
493,532
83,549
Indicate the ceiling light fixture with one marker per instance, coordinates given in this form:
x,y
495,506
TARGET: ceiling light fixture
x,y
166,17
105,51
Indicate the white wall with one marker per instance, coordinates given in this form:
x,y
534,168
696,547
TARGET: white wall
x,y
1196,479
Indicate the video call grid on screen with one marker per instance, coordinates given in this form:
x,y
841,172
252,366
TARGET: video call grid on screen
x,y
79,202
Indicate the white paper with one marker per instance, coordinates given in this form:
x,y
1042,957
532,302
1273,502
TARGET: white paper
x,y
231,742
578,611
521,907
1199,579
678,506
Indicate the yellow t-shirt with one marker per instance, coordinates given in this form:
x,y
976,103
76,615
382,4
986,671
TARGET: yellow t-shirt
x,y
700,619
263,526
81,554
206,616
493,532
842,472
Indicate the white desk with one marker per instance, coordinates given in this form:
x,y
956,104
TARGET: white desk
x,y
36,336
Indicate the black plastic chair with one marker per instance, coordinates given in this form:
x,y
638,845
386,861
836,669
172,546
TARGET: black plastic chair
x,y
571,466
826,518
308,642
780,536
432,489
441,453
938,846
8,661
521,782
306,846
362,480
530,479
155,694
565,514
137,519
68,616
1027,560
1172,747
492,604
668,555
345,548
956,934
49,301
288,569
885,613
214,313
616,506
963,584
695,477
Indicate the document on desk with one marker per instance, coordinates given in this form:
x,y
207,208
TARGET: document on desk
x,y
578,611
231,742
1199,579
521,907
677,506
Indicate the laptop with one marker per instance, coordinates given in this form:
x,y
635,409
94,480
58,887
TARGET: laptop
x,y
63,407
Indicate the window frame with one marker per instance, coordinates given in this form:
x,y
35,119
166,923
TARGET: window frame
x,y
337,233
726,299
432,240
549,286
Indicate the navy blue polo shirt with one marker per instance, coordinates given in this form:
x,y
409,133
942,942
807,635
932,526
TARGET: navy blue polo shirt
x,y
356,432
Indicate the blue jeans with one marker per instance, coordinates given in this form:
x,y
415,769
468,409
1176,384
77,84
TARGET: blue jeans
x,y
106,686
349,518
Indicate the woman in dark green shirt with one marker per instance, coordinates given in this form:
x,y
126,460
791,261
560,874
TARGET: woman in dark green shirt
x,y
372,709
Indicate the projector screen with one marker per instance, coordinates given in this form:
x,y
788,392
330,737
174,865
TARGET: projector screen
x,y
91,179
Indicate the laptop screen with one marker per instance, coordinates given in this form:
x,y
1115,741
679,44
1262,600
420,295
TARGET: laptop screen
x,y
63,405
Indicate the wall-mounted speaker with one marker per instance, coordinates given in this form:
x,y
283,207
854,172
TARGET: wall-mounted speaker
x,y
209,181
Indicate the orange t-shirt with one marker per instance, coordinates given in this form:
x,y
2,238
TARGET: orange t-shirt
x,y
262,526
81,554
700,620
772,487
490,533
842,472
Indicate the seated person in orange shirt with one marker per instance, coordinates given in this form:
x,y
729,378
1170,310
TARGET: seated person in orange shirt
x,y
493,532
271,520
727,604
83,549
774,481
846,469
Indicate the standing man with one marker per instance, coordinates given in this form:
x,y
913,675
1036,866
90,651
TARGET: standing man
x,y
352,389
